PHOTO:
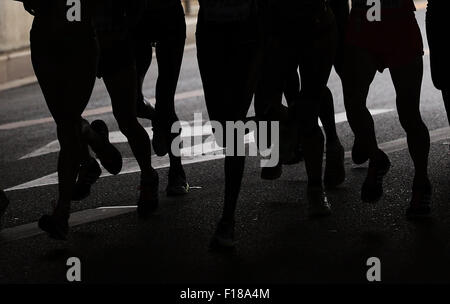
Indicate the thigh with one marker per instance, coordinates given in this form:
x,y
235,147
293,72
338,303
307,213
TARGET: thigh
x,y
66,72
229,73
169,54
359,70
407,81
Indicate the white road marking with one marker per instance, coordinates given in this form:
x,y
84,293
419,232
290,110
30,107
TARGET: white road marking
x,y
196,153
117,137
101,213
76,219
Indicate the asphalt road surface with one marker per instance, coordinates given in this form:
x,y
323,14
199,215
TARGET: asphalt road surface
x,y
277,243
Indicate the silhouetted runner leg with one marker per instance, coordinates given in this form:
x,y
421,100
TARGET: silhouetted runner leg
x,y
395,42
118,70
95,136
407,81
164,28
168,33
315,60
229,55
64,57
436,21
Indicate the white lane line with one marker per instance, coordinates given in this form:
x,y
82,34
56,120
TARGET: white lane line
x,y
117,137
194,154
91,112
101,213
187,130
342,117
76,219
118,207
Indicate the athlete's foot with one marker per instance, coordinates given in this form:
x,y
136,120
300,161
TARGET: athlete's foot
x,y
56,227
177,184
161,139
4,202
359,152
149,197
334,166
223,238
420,204
145,109
109,156
318,202
87,176
372,188
272,173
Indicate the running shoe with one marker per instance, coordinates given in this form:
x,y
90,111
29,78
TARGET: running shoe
x,y
145,109
272,173
318,203
359,153
149,197
334,166
4,202
177,184
372,188
88,174
56,228
420,204
223,238
109,156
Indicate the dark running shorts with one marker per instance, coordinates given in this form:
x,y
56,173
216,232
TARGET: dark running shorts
x,y
394,41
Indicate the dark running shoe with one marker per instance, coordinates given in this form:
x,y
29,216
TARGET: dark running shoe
x,y
149,197
420,204
89,173
109,156
318,203
223,238
334,166
177,184
359,153
56,229
145,110
372,188
4,202
272,173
